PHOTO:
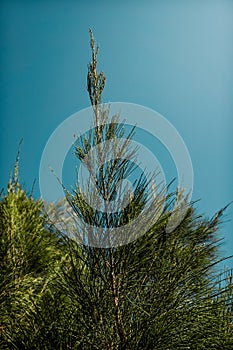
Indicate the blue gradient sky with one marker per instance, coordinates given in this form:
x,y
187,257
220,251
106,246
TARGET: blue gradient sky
x,y
172,56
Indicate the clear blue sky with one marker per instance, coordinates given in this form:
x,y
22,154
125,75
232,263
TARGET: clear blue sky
x,y
172,56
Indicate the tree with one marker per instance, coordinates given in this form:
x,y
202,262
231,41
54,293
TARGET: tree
x,y
75,285
29,256
156,292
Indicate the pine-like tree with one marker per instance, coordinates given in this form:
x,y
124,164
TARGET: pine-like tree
x,y
29,256
84,288
156,292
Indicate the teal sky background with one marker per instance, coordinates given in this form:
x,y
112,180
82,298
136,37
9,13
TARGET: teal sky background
x,y
175,57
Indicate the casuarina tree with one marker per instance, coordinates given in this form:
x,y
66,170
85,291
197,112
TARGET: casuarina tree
x,y
111,267
153,290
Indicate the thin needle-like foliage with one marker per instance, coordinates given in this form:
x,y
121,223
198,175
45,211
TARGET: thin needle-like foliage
x,y
67,281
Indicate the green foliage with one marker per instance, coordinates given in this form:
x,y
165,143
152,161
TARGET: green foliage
x,y
29,256
160,291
